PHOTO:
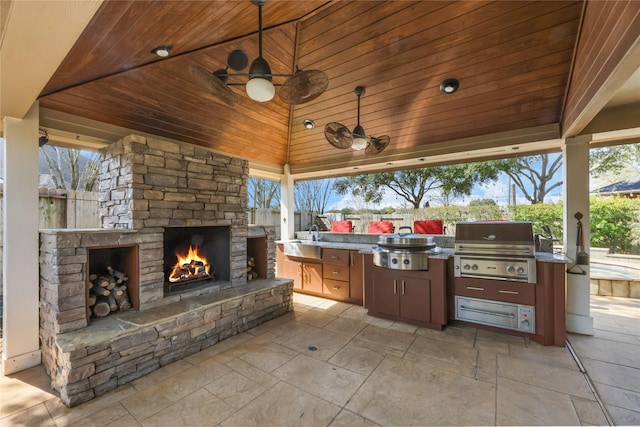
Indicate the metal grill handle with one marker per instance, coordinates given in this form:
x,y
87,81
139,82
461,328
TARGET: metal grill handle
x,y
493,313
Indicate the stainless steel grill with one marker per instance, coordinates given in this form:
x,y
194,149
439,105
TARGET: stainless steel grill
x,y
495,250
404,251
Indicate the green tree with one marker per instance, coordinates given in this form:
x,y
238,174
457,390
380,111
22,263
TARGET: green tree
x,y
534,175
614,163
482,202
413,185
72,169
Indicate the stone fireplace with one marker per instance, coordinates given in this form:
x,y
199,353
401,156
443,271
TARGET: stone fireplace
x,y
159,200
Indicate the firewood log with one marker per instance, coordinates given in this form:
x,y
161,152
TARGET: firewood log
x,y
117,274
100,291
103,281
113,305
122,297
101,308
93,277
92,300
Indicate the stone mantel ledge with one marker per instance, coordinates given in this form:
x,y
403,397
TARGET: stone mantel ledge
x,y
85,230
121,324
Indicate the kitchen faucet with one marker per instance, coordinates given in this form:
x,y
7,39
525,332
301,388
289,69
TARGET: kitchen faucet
x,y
316,236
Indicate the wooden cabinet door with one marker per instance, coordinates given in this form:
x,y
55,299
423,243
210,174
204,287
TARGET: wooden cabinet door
x,y
312,277
385,293
356,277
291,270
415,298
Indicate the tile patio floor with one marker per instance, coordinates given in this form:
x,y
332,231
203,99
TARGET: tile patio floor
x,y
365,372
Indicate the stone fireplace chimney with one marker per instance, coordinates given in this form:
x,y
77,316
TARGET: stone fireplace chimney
x,y
148,185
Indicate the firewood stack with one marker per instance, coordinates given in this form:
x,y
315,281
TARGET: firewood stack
x,y
108,293
251,272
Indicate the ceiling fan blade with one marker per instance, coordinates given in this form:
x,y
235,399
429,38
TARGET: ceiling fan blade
x,y
304,86
338,135
377,144
214,83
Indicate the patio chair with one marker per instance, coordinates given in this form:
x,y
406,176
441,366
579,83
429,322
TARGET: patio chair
x,y
345,226
381,227
428,226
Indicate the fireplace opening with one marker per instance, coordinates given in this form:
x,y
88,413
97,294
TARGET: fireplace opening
x,y
196,256
256,258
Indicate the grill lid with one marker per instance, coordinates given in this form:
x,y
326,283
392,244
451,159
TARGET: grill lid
x,y
406,240
495,232
495,237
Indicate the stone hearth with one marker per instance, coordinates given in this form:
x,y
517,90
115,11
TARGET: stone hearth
x,y
147,186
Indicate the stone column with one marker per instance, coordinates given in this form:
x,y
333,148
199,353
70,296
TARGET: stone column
x,y
21,346
575,156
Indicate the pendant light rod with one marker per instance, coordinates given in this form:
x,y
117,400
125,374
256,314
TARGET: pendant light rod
x,y
359,92
259,3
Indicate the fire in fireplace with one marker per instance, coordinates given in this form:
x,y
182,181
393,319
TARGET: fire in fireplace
x,y
196,256
190,266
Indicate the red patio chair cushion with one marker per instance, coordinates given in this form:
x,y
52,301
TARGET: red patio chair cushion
x,y
428,226
345,226
380,227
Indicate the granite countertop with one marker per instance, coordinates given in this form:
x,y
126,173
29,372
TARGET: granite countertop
x,y
446,252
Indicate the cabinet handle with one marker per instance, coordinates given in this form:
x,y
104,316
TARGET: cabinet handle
x,y
351,258
336,271
336,288
403,287
395,286
473,288
501,291
334,257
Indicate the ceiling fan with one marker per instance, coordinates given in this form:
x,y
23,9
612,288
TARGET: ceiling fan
x,y
340,137
303,86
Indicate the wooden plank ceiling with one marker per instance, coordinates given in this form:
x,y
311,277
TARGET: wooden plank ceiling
x,y
512,59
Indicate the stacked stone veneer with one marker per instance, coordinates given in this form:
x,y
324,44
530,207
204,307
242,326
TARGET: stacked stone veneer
x,y
146,185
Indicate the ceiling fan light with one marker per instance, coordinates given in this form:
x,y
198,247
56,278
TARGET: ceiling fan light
x,y
359,143
259,86
359,138
260,89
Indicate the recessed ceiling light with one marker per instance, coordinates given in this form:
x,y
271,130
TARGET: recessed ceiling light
x,y
162,51
422,160
449,86
309,124
356,167
389,164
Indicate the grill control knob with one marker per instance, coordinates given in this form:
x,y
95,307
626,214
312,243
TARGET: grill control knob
x,y
474,267
394,260
524,322
466,266
511,269
520,270
406,262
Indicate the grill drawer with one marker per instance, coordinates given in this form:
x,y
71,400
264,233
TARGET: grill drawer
x,y
497,290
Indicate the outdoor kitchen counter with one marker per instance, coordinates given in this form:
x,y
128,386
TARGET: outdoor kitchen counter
x,y
366,248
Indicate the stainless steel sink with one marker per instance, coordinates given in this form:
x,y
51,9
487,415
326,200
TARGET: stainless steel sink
x,y
302,249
